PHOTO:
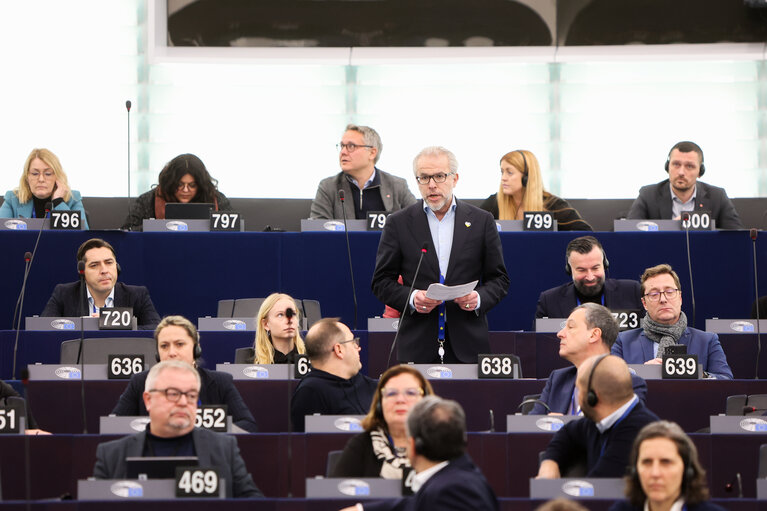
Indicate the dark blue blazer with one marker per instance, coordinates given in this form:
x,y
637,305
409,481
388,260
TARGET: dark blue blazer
x,y
476,254
654,203
459,486
559,302
606,454
216,388
560,386
634,347
66,301
212,450
625,505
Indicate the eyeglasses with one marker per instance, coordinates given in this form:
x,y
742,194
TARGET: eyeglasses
x,y
192,186
173,395
670,294
356,341
438,178
48,174
409,394
350,147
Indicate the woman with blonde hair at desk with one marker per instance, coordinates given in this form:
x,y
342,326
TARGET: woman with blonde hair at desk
x,y
278,324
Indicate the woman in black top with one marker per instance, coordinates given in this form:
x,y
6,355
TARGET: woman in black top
x,y
278,339
183,179
380,450
522,190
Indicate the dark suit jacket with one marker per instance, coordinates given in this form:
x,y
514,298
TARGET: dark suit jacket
x,y
459,486
654,203
66,301
634,347
559,302
216,388
213,450
579,440
476,255
625,505
559,388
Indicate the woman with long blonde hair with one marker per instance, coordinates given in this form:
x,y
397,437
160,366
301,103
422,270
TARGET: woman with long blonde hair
x,y
521,190
278,340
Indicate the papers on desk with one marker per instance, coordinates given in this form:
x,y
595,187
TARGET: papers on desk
x,y
445,293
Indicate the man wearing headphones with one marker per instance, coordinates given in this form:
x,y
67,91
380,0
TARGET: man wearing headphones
x,y
613,415
683,192
590,331
102,289
177,339
586,262
445,476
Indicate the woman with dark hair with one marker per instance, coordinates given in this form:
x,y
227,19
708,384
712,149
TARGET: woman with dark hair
x,y
380,450
183,179
522,190
665,474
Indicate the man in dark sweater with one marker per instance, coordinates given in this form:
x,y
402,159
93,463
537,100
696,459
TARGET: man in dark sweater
x,y
335,385
613,417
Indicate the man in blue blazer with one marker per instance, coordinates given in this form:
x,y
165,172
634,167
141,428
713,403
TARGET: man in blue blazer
x,y
459,244
178,339
683,192
170,395
102,289
590,330
586,262
445,477
666,325
613,416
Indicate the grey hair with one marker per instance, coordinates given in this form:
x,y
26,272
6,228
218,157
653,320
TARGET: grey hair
x,y
370,136
599,316
435,150
154,373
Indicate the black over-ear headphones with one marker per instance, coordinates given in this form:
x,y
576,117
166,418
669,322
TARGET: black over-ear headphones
x,y
196,351
605,262
699,150
591,397
524,174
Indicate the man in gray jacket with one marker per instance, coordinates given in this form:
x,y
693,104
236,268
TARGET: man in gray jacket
x,y
366,188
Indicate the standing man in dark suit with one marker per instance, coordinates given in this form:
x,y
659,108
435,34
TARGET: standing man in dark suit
x,y
177,338
170,395
445,477
102,289
586,262
590,331
613,415
683,192
462,245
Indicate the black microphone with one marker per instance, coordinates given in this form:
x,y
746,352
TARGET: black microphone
x,y
736,482
402,315
127,107
686,224
748,409
20,300
80,357
753,234
532,402
349,253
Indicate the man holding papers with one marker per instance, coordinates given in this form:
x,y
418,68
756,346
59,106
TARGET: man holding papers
x,y
459,244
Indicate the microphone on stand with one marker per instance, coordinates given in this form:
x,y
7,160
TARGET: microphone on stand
x,y
349,253
80,357
753,233
127,107
424,249
686,218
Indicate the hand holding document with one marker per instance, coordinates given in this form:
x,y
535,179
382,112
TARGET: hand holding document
x,y
442,292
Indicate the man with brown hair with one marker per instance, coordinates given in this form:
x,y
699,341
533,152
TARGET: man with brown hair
x,y
665,325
